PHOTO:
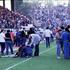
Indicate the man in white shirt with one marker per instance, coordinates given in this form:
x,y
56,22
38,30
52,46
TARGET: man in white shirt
x,y
2,42
35,40
47,34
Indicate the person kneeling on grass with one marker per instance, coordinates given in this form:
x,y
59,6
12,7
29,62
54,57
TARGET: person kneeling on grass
x,y
29,51
25,51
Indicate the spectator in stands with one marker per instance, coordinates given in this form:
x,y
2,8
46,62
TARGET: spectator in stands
x,y
11,19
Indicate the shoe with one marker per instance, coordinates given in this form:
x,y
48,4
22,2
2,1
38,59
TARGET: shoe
x,y
15,56
58,57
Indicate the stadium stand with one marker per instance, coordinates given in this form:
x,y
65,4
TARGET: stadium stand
x,y
10,19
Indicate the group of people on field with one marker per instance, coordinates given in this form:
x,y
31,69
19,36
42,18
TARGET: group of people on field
x,y
32,40
27,41
63,42
6,41
24,42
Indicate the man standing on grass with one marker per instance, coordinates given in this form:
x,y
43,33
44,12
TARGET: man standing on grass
x,y
58,44
66,42
47,34
2,41
8,42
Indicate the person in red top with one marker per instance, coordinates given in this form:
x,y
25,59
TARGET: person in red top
x,y
12,36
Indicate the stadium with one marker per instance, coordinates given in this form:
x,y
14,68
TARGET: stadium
x,y
34,34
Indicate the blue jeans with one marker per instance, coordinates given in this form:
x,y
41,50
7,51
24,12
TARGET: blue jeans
x,y
47,42
9,45
58,48
2,47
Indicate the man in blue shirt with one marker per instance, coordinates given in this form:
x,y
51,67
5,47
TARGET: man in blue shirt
x,y
66,43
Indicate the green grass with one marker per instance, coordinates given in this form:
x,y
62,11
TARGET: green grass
x,y
46,61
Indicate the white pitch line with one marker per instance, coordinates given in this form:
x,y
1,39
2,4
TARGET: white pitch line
x,y
9,68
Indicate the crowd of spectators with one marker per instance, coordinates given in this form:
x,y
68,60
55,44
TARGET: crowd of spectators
x,y
51,15
10,19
